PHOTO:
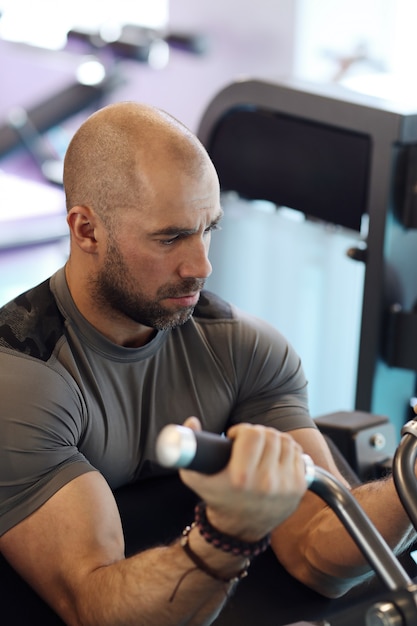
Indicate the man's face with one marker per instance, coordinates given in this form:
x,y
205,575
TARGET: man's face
x,y
156,260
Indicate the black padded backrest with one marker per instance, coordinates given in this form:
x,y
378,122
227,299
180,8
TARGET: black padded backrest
x,y
319,169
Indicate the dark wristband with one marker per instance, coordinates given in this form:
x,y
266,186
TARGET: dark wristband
x,y
224,542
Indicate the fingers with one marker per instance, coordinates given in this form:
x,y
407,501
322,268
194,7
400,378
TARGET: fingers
x,y
265,458
193,423
261,486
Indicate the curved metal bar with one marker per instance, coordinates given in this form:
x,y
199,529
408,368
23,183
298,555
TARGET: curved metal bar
x,y
403,470
366,536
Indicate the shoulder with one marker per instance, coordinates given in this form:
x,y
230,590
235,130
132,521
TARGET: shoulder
x,y
32,323
218,316
231,331
211,308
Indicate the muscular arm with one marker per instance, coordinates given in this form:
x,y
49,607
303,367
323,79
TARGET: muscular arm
x,y
312,543
71,550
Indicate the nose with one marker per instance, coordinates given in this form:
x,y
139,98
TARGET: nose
x,y
195,262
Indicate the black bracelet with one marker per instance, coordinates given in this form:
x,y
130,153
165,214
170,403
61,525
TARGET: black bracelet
x,y
225,542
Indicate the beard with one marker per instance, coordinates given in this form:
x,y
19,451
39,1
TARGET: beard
x,y
117,291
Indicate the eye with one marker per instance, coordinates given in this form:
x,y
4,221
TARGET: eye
x,y
212,228
169,242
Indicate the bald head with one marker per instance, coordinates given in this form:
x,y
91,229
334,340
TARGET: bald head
x,y
107,155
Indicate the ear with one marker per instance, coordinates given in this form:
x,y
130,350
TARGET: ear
x,y
85,227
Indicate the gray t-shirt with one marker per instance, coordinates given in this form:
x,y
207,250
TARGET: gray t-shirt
x,y
73,402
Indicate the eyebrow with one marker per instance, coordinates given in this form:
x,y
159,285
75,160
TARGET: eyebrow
x,y
179,230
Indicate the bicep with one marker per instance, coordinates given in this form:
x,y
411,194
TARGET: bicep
x,y
41,424
75,532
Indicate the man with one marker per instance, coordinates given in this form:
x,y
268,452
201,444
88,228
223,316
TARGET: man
x,y
122,341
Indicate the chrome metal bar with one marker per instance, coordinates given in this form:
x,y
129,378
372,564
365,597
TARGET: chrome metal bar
x,y
403,470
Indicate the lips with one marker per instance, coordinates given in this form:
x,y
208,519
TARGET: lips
x,y
188,300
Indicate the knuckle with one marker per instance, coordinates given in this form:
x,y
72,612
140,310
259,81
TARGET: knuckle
x,y
240,480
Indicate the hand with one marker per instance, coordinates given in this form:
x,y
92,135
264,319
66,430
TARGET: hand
x,y
260,487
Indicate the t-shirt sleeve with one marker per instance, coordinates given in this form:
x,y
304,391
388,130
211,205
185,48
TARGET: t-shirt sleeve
x,y
271,380
41,422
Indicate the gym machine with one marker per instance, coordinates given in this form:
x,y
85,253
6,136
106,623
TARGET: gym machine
x,y
345,159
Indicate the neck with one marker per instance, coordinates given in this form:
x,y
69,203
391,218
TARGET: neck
x,y
116,327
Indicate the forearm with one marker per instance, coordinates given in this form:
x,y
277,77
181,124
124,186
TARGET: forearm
x,y
381,504
158,586
330,551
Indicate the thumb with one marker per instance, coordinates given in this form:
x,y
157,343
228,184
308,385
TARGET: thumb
x,y
193,423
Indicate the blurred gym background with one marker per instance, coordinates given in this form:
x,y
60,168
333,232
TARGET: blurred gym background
x,y
59,61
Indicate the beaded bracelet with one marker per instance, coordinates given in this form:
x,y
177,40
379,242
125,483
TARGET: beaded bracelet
x,y
184,542
225,542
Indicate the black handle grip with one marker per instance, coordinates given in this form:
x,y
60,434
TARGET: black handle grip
x,y
178,446
208,453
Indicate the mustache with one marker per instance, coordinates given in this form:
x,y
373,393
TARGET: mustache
x,y
189,285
